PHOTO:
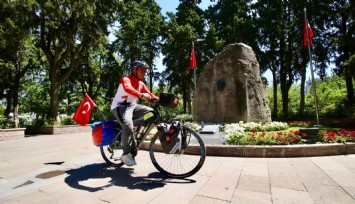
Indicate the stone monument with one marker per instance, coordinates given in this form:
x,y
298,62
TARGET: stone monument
x,y
230,88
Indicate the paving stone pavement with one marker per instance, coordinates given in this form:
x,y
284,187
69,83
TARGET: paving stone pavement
x,y
68,168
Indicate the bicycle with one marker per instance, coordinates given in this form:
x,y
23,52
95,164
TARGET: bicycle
x,y
180,163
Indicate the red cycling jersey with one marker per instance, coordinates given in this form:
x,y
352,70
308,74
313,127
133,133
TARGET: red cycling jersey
x,y
129,89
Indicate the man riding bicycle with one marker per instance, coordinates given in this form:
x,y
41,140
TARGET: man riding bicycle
x,y
124,105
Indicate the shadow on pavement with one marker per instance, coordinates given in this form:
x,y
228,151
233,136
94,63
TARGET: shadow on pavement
x,y
96,177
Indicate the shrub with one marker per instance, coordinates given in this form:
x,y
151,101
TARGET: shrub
x,y
184,117
23,122
2,119
194,126
38,122
299,123
67,121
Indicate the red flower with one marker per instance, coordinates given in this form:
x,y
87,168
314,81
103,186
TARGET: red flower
x,y
254,130
331,137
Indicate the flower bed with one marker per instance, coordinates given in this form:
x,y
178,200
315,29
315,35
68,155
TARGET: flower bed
x,y
278,133
337,136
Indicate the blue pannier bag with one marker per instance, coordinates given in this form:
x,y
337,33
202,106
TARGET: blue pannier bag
x,y
103,132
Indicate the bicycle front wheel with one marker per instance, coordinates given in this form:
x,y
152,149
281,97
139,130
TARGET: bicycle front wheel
x,y
183,164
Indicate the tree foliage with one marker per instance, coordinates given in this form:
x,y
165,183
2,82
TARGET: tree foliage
x,y
67,30
139,33
53,52
183,28
331,94
17,51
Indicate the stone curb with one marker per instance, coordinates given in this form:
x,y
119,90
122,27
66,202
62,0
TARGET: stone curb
x,y
274,151
12,133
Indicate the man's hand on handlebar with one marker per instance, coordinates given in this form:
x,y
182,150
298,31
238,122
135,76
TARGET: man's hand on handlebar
x,y
145,96
153,101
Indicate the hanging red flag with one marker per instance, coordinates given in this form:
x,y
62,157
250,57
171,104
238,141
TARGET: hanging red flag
x,y
192,59
82,114
307,29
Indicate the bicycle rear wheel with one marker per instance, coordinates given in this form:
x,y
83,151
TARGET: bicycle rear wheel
x,y
112,153
183,164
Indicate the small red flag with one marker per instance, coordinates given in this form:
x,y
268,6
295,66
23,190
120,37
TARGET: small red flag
x,y
192,59
82,114
307,28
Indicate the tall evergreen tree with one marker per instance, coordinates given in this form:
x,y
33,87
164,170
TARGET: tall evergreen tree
x,y
139,33
66,28
17,51
233,22
342,35
183,28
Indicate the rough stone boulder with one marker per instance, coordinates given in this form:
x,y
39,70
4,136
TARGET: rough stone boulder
x,y
230,88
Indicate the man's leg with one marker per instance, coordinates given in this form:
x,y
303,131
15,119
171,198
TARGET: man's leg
x,y
140,110
125,115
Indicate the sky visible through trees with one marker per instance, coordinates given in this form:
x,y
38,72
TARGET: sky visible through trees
x,y
171,5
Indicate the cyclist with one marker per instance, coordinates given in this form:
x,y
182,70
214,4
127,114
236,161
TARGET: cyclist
x,y
124,105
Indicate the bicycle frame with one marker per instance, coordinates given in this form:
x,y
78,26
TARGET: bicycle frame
x,y
146,124
181,163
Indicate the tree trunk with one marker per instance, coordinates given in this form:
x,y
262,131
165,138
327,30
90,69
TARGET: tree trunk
x,y
189,109
274,78
284,96
7,110
346,51
54,94
16,89
302,90
151,73
184,96
15,101
349,88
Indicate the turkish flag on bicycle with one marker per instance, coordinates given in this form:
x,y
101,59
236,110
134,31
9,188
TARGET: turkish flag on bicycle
x,y
82,114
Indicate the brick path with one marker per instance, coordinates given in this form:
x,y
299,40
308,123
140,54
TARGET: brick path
x,y
68,168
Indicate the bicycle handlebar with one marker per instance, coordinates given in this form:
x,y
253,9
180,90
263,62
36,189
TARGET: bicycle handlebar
x,y
154,102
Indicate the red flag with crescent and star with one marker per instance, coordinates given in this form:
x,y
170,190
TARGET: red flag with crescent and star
x,y
192,59
82,114
307,33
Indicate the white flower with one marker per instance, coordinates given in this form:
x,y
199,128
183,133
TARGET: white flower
x,y
234,129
